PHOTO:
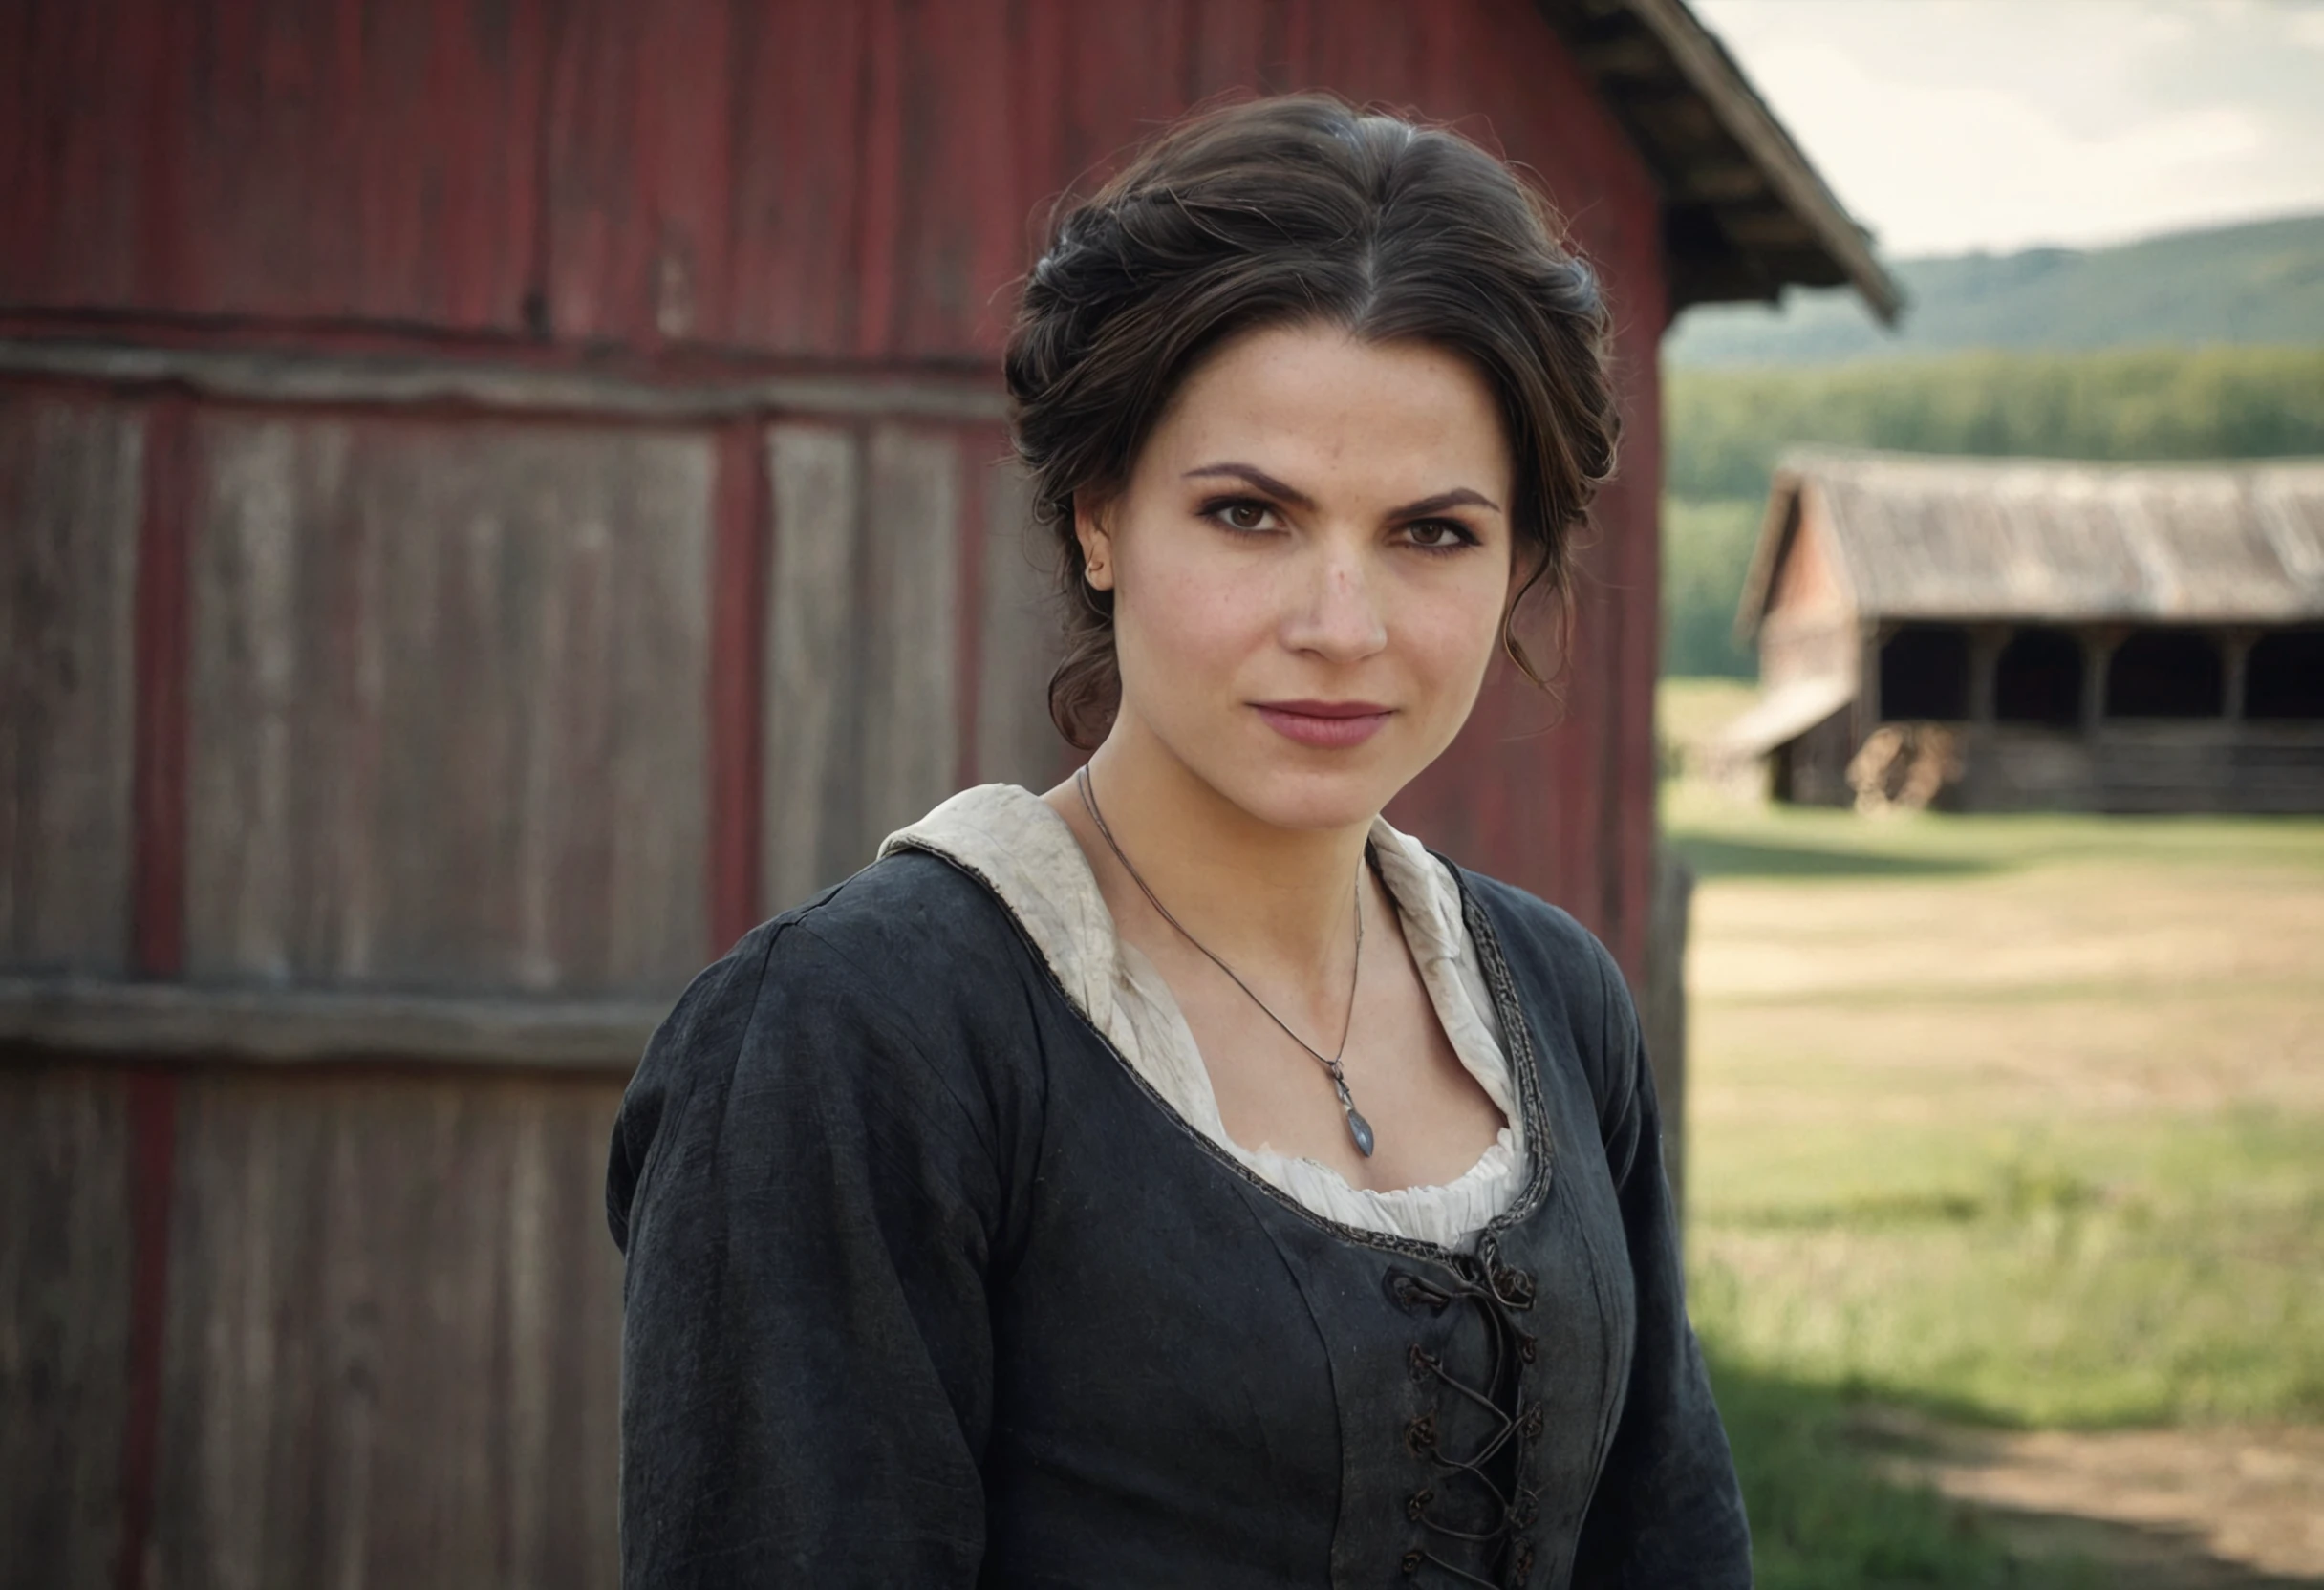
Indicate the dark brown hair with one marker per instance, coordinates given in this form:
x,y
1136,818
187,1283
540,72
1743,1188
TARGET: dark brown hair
x,y
1283,211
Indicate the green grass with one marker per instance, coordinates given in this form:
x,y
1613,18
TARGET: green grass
x,y
1712,829
2015,1122
1822,1517
2075,1277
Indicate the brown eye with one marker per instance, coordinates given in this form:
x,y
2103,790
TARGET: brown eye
x,y
1244,516
1437,534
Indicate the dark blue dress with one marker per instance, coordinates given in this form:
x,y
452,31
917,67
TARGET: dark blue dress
x,y
926,1288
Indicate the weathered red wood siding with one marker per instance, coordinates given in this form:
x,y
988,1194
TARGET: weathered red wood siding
x,y
69,501
847,185
450,688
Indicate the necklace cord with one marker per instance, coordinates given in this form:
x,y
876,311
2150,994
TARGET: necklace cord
x,y
1358,1127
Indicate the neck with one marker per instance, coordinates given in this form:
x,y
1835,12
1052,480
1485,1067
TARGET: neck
x,y
1259,895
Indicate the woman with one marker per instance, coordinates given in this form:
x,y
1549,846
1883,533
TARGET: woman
x,y
1183,1178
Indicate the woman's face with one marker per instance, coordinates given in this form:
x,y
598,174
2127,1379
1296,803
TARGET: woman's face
x,y
1309,562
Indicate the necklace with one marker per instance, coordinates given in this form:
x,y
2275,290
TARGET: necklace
x,y
1358,1127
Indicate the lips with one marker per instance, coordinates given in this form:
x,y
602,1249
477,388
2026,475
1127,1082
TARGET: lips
x,y
1328,725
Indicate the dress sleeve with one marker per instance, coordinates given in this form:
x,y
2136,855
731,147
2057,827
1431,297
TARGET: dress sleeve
x,y
1667,1512
806,1204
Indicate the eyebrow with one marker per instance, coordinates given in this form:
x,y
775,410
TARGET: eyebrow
x,y
1457,496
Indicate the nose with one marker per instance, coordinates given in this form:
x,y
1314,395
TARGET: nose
x,y
1335,612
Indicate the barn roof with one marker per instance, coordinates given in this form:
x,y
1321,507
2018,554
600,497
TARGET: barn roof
x,y
1744,213
1912,536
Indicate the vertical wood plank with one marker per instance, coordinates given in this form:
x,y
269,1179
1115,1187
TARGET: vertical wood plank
x,y
911,528
159,917
150,1180
159,767
798,195
879,173
956,244
70,507
972,539
350,163
1630,510
65,1261
1226,45
1126,76
271,157
1018,641
639,171
71,203
394,1344
737,681
812,833
450,706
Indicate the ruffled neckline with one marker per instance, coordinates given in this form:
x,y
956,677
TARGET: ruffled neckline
x,y
1027,853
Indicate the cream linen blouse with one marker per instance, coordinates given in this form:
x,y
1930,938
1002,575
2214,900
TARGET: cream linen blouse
x,y
1011,838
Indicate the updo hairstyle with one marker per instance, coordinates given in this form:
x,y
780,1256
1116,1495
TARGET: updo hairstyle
x,y
1294,210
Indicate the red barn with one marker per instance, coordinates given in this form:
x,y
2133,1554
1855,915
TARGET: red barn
x,y
498,497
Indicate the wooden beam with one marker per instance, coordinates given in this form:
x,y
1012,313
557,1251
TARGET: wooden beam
x,y
1704,64
1713,180
40,1017
288,376
1626,55
1764,228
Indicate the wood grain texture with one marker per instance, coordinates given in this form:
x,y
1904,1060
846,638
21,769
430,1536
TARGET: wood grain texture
x,y
394,1335
912,525
45,1016
158,774
833,185
69,509
957,219
738,675
320,376
810,834
1018,640
1662,1010
333,161
797,201
450,685
638,175
64,1324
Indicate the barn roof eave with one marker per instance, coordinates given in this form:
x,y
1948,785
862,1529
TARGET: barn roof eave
x,y
1745,214
1967,539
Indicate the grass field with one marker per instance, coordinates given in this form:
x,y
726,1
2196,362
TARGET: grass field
x,y
2015,1122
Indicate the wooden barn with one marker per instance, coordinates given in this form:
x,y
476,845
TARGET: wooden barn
x,y
494,499
2042,635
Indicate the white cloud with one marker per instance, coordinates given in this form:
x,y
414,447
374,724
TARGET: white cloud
x,y
1955,124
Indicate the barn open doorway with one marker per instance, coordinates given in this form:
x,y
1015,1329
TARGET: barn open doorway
x,y
2284,676
1925,674
2038,678
2166,673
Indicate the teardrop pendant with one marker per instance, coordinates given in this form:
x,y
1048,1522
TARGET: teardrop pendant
x,y
1358,1127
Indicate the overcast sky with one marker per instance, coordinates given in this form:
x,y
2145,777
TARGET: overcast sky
x,y
1952,125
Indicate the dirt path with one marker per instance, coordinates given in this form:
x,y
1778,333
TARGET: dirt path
x,y
2220,1508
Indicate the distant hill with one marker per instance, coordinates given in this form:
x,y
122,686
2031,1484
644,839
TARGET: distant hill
x,y
2261,283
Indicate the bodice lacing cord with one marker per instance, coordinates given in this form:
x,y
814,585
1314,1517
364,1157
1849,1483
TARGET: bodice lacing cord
x,y
1497,1467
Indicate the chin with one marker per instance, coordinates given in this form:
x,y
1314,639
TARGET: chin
x,y
1308,793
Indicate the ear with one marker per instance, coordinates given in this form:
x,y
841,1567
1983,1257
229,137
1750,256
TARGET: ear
x,y
1090,517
